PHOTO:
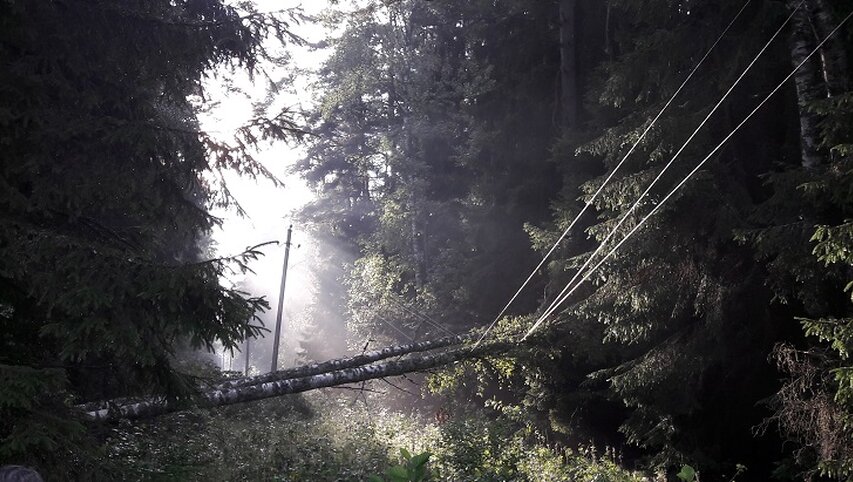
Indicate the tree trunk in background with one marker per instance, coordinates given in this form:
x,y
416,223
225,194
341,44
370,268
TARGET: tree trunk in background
x,y
810,85
568,64
832,55
418,249
221,397
608,46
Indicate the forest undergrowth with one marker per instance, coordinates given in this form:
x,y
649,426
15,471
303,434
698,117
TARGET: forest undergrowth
x,y
335,436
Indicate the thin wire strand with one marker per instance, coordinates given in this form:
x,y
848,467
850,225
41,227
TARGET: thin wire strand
x,y
406,335
561,297
698,166
422,316
612,173
398,330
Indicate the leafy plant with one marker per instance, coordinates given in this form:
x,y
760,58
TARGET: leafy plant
x,y
310,437
413,469
688,474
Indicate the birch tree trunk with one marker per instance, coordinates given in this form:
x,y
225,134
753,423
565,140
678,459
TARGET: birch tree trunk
x,y
274,388
308,370
568,64
344,363
810,85
832,55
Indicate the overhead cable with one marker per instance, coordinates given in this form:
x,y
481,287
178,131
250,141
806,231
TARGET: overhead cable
x,y
560,297
424,317
693,172
592,199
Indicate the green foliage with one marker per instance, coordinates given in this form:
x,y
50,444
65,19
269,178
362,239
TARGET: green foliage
x,y
475,448
105,184
413,166
316,438
413,469
279,439
632,347
826,381
805,238
29,419
688,474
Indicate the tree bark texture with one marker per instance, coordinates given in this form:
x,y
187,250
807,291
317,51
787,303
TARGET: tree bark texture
x,y
273,388
308,370
344,363
568,64
809,83
418,249
833,56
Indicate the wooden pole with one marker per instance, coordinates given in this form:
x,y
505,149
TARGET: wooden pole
x,y
275,341
246,361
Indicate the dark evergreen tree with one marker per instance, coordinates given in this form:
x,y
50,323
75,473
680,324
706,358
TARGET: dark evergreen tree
x,y
412,164
681,312
687,319
802,233
103,203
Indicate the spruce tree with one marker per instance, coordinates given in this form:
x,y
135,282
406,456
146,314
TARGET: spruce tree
x,y
105,187
673,332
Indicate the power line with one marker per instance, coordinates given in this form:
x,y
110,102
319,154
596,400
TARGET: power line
x,y
560,297
591,200
398,330
422,316
695,169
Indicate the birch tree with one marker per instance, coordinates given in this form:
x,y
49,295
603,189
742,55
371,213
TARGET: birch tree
x,y
300,379
811,87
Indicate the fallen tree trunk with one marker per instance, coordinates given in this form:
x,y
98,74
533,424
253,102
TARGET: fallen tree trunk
x,y
351,362
303,371
246,393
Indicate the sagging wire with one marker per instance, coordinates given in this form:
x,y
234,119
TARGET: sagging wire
x,y
695,169
610,176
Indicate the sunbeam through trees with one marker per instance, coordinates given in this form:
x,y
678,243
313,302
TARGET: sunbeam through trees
x,y
568,240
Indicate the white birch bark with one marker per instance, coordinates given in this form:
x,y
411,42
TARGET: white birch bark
x,y
229,396
810,85
305,370
350,362
833,55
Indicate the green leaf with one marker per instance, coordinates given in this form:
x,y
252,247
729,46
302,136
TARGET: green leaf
x,y
419,460
398,473
687,474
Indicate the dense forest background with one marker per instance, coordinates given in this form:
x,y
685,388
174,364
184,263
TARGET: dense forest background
x,y
451,145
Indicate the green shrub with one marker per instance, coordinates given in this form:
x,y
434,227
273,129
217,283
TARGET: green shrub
x,y
312,438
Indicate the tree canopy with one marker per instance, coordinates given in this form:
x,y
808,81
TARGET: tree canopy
x,y
448,130
451,145
107,181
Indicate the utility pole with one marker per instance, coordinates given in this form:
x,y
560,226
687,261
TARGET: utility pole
x,y
246,367
275,341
